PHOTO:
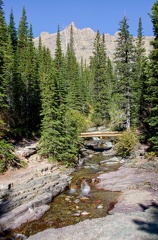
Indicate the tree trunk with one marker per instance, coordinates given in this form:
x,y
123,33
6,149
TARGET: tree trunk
x,y
128,110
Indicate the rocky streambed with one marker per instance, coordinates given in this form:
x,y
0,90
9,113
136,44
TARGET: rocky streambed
x,y
25,196
134,216
81,199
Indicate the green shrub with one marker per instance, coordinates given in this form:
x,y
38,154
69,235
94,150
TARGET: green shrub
x,y
6,156
126,143
151,156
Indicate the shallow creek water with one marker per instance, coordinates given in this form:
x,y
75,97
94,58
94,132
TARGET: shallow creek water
x,y
81,200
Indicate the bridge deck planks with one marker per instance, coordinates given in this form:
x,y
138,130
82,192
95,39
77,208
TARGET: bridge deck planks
x,y
100,134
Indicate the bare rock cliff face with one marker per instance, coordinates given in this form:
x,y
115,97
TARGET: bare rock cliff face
x,y
83,41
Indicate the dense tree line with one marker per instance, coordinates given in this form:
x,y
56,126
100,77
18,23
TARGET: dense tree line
x,y
55,97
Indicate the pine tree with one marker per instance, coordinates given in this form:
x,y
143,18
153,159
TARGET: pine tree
x,y
26,92
113,105
124,67
50,127
140,50
60,68
32,98
88,82
50,100
151,99
8,66
85,87
20,74
110,78
74,97
55,138
59,130
10,70
3,83
3,40
139,85
98,67
12,31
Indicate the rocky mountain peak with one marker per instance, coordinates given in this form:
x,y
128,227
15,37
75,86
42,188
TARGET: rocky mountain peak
x,y
71,24
83,41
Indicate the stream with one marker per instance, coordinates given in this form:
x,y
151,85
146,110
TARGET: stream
x,y
81,200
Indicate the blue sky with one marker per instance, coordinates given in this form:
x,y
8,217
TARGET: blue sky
x,y
102,15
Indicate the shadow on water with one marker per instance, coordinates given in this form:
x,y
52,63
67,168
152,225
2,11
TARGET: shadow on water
x,y
150,225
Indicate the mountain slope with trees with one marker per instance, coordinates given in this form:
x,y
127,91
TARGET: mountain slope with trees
x,y
57,97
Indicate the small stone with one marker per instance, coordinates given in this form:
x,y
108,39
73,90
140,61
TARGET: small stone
x,y
76,214
84,213
84,199
67,199
97,201
79,211
100,206
76,201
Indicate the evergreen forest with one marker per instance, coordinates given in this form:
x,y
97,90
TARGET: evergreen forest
x,y
56,98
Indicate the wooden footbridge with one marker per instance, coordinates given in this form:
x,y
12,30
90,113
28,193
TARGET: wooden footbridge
x,y
100,134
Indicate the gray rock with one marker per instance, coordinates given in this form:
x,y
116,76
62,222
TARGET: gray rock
x,y
150,165
24,213
133,226
109,153
83,42
101,128
24,193
94,129
110,161
134,217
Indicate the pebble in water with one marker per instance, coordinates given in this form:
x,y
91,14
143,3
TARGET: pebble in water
x,y
76,201
67,199
76,214
100,206
84,213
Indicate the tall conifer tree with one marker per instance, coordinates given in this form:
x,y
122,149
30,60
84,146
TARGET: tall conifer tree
x,y
100,90
85,86
9,63
50,131
32,92
3,80
139,85
20,79
152,84
12,31
3,40
60,69
74,98
124,67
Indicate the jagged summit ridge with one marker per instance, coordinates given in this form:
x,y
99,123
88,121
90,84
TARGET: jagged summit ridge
x,y
83,41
